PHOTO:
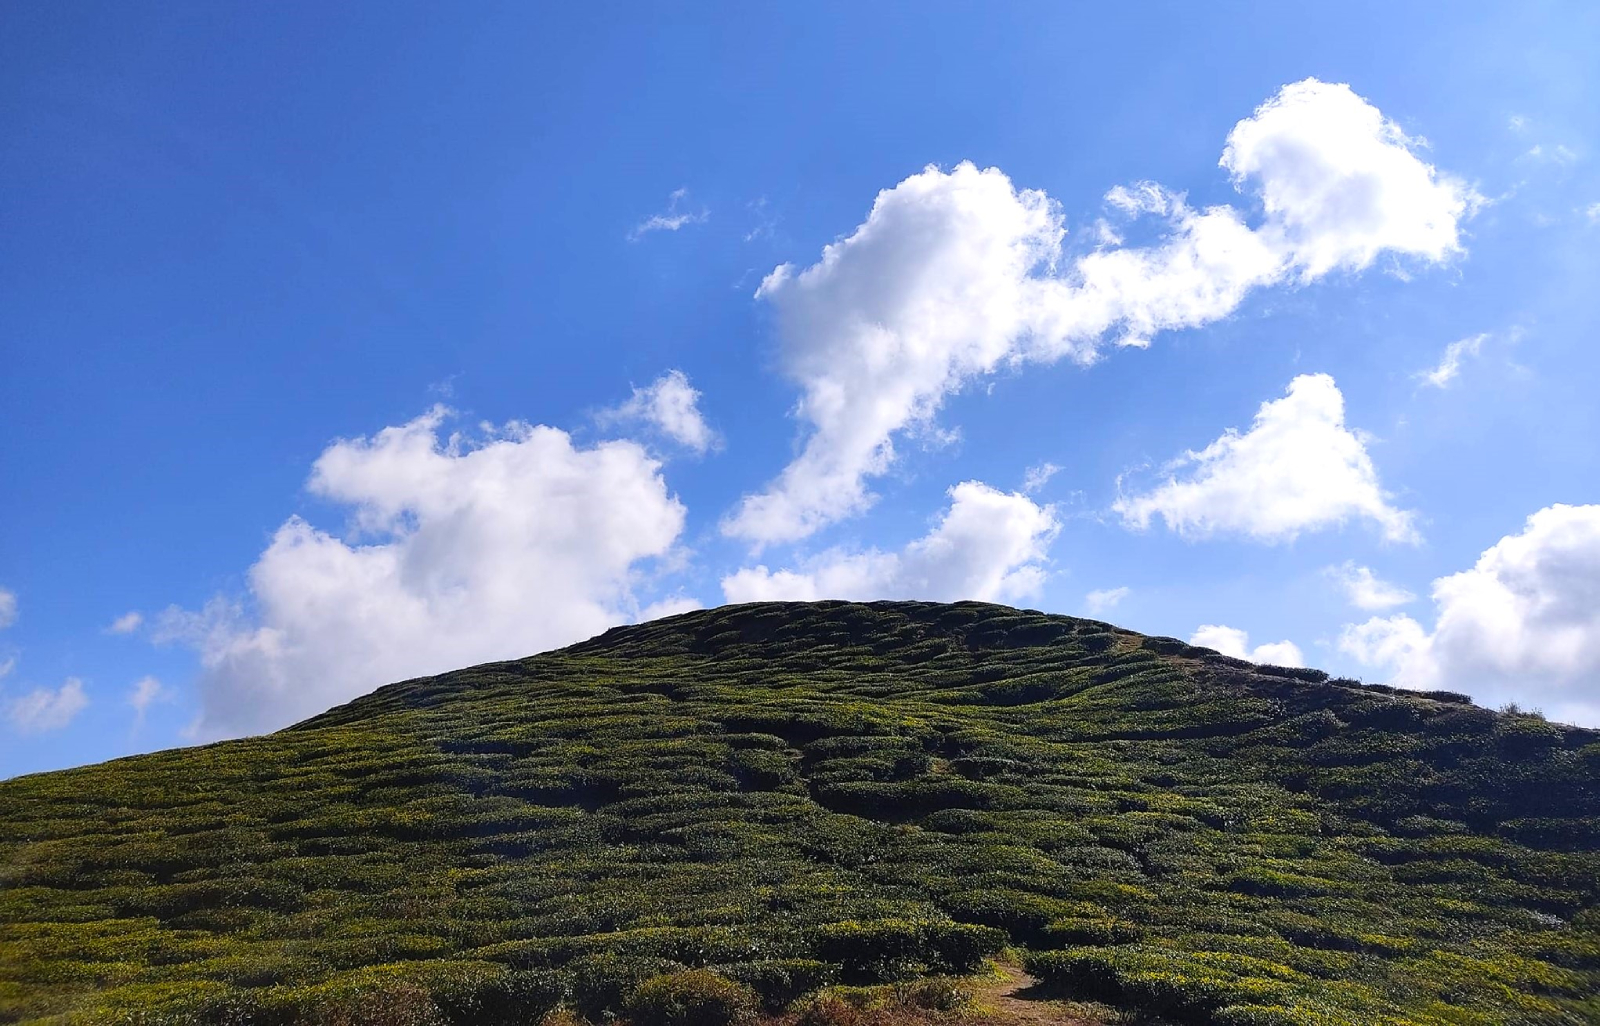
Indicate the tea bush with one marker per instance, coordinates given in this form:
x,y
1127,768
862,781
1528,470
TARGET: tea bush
x,y
792,796
693,997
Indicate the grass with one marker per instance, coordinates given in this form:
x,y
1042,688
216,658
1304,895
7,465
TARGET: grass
x,y
805,796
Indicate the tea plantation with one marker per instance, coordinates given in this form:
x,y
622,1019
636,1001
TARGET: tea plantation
x,y
798,795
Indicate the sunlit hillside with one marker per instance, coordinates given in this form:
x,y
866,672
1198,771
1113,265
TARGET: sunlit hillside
x,y
801,796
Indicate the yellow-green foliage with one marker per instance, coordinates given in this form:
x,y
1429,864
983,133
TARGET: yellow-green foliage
x,y
797,796
691,997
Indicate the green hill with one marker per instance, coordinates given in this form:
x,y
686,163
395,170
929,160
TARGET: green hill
x,y
795,795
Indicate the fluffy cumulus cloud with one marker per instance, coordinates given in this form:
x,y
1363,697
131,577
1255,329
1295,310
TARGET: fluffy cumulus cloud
x,y
1298,468
1231,641
671,406
1522,625
1341,184
1365,589
460,551
989,545
47,709
957,273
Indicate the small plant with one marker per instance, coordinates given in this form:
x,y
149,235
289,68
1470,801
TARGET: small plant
x,y
934,994
780,982
828,1010
694,997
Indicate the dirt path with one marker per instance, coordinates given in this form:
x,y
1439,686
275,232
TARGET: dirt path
x,y
1014,998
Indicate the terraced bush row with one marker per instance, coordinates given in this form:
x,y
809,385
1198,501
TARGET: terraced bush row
x,y
794,796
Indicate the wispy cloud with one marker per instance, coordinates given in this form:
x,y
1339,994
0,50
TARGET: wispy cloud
x,y
127,623
1554,154
43,709
1365,589
146,691
766,220
1449,367
1100,601
1038,476
671,219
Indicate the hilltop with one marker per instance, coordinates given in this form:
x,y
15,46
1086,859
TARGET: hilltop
x,y
801,795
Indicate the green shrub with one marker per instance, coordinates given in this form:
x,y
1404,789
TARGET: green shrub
x,y
1279,1015
506,998
934,994
603,984
885,949
693,997
803,794
960,947
828,1010
780,982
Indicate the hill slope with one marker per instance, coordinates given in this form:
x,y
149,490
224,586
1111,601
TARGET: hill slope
x,y
794,794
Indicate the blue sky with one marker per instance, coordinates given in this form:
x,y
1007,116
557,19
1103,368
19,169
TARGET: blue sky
x,y
339,346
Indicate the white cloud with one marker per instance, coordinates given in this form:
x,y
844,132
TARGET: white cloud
x,y
8,616
464,551
989,545
957,273
146,691
1297,469
42,709
1098,602
1038,476
1389,641
1143,198
669,606
1517,122
1366,590
671,219
766,220
1231,641
1340,183
1522,625
1592,212
127,623
672,406
1556,154
1449,367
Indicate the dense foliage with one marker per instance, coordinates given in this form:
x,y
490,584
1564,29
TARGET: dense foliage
x,y
793,795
